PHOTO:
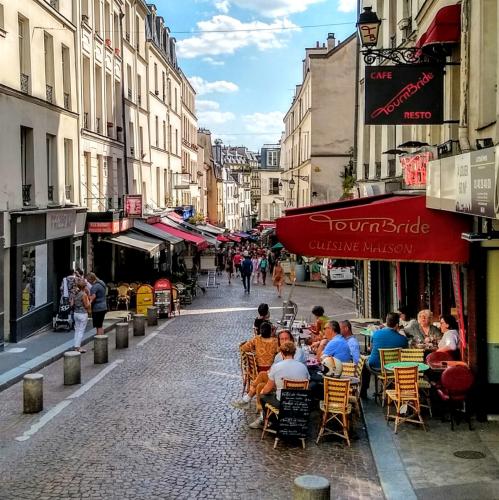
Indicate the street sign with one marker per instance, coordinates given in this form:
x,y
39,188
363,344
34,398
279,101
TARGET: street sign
x,y
404,95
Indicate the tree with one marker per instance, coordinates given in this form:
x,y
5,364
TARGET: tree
x,y
348,178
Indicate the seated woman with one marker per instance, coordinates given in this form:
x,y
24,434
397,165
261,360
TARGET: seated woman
x,y
321,321
450,339
423,332
263,315
285,336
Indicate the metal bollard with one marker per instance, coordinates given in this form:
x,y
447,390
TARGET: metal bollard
x,y
72,368
100,349
33,393
152,316
139,325
121,335
311,488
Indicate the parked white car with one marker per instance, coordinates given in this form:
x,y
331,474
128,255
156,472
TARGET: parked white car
x,y
336,271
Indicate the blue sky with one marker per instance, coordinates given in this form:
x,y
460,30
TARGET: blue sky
x,y
245,80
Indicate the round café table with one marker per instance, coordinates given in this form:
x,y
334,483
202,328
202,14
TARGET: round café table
x,y
422,367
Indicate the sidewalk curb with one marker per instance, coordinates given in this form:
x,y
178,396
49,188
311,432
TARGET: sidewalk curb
x,y
391,471
16,374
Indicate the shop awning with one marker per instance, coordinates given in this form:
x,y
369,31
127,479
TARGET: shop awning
x,y
143,227
137,241
191,229
222,239
244,235
209,228
444,29
233,237
197,240
386,227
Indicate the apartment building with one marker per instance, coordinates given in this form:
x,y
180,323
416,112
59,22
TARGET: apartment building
x,y
41,219
267,201
319,125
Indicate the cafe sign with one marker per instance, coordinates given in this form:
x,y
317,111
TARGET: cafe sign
x,y
404,95
414,168
133,205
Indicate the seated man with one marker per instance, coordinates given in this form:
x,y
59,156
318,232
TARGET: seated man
x,y
338,347
353,343
386,338
263,315
289,369
318,347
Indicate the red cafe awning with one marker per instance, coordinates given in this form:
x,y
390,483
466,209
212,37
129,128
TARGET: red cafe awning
x,y
233,237
385,227
222,239
199,241
444,29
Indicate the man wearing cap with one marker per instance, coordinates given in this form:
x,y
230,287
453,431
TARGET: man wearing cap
x,y
246,270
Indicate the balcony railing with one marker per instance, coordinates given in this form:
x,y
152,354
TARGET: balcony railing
x,y
110,126
67,103
378,170
132,151
97,124
127,37
50,193
24,83
49,91
366,171
130,94
68,191
26,194
139,100
85,119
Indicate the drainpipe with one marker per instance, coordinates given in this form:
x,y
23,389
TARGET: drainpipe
x,y
356,107
464,140
123,114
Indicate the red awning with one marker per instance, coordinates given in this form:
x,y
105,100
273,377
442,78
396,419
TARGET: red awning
x,y
386,227
233,237
199,241
222,238
444,29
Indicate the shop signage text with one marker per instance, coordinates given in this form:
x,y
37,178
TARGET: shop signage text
x,y
60,223
133,205
403,95
414,167
112,227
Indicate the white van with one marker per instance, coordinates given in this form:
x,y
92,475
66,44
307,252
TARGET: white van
x,y
337,271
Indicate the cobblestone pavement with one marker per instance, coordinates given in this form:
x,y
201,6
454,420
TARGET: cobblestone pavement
x,y
159,424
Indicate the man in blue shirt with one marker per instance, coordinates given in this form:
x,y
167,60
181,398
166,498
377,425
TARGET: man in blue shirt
x,y
353,343
338,348
386,338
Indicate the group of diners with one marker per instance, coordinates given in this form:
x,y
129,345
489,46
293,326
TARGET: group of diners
x,y
319,350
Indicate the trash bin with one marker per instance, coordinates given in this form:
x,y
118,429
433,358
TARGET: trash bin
x,y
300,272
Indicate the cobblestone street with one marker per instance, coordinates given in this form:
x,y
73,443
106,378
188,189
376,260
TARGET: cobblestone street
x,y
159,424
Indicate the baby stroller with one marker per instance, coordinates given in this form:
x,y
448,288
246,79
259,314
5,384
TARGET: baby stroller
x,y
64,316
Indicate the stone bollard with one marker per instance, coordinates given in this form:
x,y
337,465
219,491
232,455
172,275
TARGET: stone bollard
x,y
139,325
100,349
152,316
311,488
33,393
72,368
121,335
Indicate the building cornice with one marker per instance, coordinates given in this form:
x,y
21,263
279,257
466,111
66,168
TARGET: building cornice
x,y
55,13
103,139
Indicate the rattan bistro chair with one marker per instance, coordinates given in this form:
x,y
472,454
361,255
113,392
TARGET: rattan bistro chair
x,y
349,370
405,397
335,408
387,378
271,410
249,369
417,356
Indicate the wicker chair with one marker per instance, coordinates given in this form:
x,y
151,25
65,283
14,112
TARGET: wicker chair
x,y
249,369
387,378
272,410
335,408
349,370
123,296
417,356
355,390
405,397
175,301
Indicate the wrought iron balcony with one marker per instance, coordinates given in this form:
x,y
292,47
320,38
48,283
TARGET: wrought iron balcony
x,y
130,94
67,104
49,91
50,193
132,151
85,119
139,100
26,194
127,37
24,83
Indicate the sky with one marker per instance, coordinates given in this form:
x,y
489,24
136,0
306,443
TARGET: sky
x,y
245,80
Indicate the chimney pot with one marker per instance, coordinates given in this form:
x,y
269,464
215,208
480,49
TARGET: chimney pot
x,y
331,41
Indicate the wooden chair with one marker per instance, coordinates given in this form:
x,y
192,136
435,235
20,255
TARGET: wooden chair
x,y
417,356
175,301
355,390
349,370
335,407
386,377
405,397
123,296
249,369
273,410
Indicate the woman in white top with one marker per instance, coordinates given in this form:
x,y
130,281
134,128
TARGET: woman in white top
x,y
450,338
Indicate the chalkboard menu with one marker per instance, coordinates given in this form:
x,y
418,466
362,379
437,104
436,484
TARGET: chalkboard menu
x,y
294,413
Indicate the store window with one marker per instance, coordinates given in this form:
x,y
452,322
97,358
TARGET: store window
x,y
34,277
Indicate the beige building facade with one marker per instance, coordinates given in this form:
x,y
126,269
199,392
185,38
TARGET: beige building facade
x,y
319,125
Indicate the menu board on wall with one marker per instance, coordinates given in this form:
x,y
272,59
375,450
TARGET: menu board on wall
x,y
463,183
483,182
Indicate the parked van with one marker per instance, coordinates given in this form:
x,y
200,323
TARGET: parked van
x,y
337,271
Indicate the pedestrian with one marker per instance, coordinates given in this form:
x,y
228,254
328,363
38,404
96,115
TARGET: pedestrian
x,y
246,271
254,261
258,271
229,268
278,278
98,300
237,262
81,306
264,265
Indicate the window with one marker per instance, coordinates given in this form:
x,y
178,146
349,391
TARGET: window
x,y
273,186
156,129
97,27
156,79
34,277
51,166
66,78
107,23
129,80
164,134
27,165
176,99
176,141
131,139
137,33
141,140
139,90
2,25
272,158
164,85
68,170
24,55
48,47
169,92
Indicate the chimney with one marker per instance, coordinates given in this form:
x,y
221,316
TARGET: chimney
x,y
317,45
331,42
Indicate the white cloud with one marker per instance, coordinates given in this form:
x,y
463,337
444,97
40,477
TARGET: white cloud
x,y
223,6
347,5
211,119
270,123
204,87
270,8
213,62
206,105
228,41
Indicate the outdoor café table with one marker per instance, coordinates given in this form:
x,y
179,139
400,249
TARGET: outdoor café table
x,y
368,335
422,367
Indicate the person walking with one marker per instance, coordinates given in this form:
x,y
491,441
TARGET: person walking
x,y
254,262
264,265
229,268
246,270
81,306
237,262
98,300
278,278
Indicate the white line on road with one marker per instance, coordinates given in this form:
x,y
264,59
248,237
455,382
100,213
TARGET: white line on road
x,y
223,374
215,359
191,312
155,332
44,420
84,388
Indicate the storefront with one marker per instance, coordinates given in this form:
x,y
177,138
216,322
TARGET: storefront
x,y
2,243
44,247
